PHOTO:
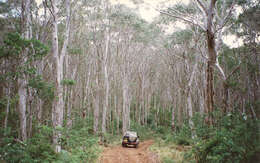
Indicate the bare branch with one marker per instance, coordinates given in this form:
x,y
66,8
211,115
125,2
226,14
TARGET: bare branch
x,y
221,70
226,18
203,56
192,74
233,71
49,8
180,14
202,7
181,18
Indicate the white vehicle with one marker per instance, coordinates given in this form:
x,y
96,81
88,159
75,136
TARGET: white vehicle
x,y
130,138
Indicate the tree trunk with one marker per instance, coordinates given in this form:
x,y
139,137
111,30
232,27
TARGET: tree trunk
x,y
180,110
209,93
57,112
126,108
117,114
39,110
189,93
211,62
105,64
22,107
70,74
59,59
96,105
69,108
39,101
202,93
142,103
225,97
22,82
173,119
30,106
7,106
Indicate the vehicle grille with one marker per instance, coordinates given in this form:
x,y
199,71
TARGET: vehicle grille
x,y
132,138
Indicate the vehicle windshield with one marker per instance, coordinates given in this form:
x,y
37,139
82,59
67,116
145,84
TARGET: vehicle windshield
x,y
131,134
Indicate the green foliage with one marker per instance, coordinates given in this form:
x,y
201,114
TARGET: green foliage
x,y
14,45
163,117
143,131
182,137
168,151
201,129
68,82
75,51
168,160
128,20
10,150
187,9
14,50
251,16
36,149
228,58
233,139
39,146
181,37
44,89
79,143
13,114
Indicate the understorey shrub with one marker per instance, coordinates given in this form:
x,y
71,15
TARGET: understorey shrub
x,y
183,135
78,143
36,149
234,138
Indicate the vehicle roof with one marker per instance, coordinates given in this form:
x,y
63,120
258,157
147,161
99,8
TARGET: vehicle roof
x,y
131,133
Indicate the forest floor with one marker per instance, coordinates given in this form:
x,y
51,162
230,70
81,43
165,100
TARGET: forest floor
x,y
119,154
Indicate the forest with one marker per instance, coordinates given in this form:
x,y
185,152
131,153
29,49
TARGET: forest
x,y
75,75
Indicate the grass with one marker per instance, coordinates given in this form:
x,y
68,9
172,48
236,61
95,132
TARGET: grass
x,y
169,152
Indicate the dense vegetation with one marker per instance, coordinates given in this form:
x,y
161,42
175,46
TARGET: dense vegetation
x,y
75,75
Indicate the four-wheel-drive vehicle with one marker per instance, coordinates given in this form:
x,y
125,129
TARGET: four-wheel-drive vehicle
x,y
130,138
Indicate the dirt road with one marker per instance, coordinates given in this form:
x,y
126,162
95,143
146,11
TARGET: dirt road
x,y
118,154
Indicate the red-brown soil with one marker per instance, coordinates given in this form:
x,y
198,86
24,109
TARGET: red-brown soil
x,y
119,154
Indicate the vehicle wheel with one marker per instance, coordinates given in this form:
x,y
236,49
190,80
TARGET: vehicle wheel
x,y
123,145
136,145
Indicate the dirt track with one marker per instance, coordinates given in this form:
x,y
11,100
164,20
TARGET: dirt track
x,y
118,154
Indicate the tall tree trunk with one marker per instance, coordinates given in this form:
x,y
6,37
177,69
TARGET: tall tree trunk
x,y
57,112
211,62
39,101
70,74
22,82
117,114
22,107
105,64
180,110
69,108
202,93
142,103
225,97
126,108
189,100
173,119
96,106
59,59
210,92
97,97
31,113
7,92
39,110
